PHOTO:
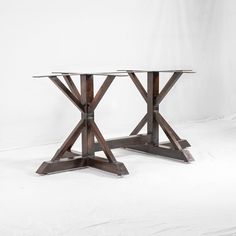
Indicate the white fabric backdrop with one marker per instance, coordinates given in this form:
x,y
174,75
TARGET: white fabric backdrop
x,y
41,36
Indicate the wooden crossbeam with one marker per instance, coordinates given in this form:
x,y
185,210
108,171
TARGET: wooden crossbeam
x,y
123,142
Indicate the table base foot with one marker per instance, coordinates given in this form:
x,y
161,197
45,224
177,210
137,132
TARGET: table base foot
x,y
183,143
164,150
82,162
112,167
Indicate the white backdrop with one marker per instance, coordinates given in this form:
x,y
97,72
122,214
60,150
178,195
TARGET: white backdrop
x,y
42,36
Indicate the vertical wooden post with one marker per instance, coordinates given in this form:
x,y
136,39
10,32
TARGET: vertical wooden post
x,y
153,91
87,95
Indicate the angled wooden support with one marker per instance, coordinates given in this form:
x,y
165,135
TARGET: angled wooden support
x,y
102,142
67,92
101,92
68,143
138,85
170,133
67,159
140,125
174,78
72,86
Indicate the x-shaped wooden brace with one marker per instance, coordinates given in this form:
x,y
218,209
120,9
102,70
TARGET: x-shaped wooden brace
x,y
176,148
65,158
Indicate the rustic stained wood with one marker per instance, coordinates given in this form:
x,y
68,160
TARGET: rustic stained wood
x,y
67,92
167,87
72,86
153,90
176,147
138,85
124,141
65,158
101,92
66,146
139,125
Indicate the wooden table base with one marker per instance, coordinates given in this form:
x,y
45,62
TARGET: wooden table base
x,y
65,158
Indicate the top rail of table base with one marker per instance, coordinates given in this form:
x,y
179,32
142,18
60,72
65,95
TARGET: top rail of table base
x,y
118,73
53,74
165,71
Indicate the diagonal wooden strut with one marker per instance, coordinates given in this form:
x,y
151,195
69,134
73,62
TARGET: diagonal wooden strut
x,y
101,92
68,143
138,85
67,93
102,142
161,119
139,126
174,78
72,86
170,133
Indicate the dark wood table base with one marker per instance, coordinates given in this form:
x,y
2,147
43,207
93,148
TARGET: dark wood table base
x,y
65,158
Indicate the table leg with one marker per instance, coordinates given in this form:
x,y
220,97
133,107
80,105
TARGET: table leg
x,y
176,147
67,159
